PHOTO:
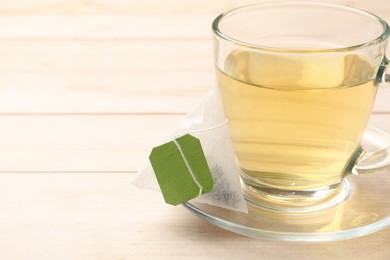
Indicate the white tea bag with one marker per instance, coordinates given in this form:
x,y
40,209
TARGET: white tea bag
x,y
208,123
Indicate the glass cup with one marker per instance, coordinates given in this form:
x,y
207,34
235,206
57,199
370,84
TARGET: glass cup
x,y
298,83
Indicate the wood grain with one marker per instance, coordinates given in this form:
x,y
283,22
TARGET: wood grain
x,y
80,143
105,27
69,7
113,92
101,216
129,91
102,56
88,143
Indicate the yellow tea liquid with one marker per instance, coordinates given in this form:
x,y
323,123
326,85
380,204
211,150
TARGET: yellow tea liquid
x,y
296,120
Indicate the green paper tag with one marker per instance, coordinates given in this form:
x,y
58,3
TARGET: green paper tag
x,y
181,169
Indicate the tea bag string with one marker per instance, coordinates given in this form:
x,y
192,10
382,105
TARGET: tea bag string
x,y
184,157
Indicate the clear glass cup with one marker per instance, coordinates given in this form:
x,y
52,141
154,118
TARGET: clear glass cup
x,y
298,83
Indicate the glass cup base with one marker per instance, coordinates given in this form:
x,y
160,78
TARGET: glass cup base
x,y
296,201
361,207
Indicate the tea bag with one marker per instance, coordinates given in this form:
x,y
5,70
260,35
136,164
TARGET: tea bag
x,y
208,123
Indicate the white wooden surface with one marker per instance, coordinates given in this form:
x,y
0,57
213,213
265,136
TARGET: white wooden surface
x,y
87,88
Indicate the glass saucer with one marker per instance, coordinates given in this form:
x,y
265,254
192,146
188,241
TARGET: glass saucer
x,y
367,209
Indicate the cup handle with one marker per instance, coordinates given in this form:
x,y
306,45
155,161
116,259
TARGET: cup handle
x,y
372,162
378,161
383,75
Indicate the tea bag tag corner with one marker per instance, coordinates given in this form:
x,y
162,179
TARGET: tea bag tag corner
x,y
181,169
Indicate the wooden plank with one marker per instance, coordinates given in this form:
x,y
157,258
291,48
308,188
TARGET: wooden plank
x,y
109,76
139,91
101,216
100,27
80,143
105,26
105,55
155,91
49,26
150,6
44,143
115,7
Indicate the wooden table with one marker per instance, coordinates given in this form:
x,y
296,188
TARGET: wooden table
x,y
87,88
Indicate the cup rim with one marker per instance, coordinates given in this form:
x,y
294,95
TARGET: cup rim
x,y
380,39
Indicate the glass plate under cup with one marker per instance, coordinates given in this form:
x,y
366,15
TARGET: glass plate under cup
x,y
366,210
